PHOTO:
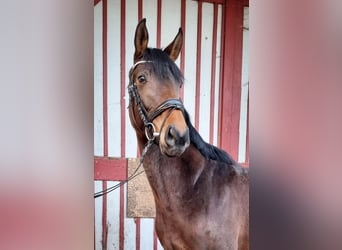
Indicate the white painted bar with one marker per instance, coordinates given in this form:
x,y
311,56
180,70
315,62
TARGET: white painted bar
x,y
190,58
146,233
98,81
113,215
217,74
129,227
170,22
131,23
98,216
150,13
113,69
244,88
205,72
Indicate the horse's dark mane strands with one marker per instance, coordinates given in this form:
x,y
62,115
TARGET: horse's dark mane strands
x,y
162,65
207,150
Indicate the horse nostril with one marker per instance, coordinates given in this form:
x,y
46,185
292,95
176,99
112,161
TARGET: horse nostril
x,y
174,138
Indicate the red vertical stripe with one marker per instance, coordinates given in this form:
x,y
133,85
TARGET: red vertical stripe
x,y
104,217
140,4
104,68
155,240
137,234
105,117
198,63
213,74
123,116
122,219
159,6
182,56
231,81
247,137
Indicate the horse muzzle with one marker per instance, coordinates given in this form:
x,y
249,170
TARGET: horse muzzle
x,y
176,142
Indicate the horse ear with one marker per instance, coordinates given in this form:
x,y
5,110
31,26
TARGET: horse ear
x,y
140,39
175,46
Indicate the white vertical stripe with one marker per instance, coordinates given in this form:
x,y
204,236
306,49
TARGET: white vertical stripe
x,y
98,81
190,58
98,216
146,233
170,22
113,215
129,227
244,88
206,56
113,59
217,74
131,23
150,13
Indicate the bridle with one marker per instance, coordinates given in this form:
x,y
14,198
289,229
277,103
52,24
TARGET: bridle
x,y
148,117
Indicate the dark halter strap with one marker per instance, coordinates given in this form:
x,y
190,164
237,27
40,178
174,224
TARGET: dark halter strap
x,y
148,117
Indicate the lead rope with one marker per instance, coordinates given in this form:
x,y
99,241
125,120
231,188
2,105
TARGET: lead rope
x,y
135,173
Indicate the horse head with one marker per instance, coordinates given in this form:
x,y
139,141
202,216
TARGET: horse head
x,y
155,81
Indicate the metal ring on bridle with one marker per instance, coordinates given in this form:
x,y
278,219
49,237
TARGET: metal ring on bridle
x,y
151,134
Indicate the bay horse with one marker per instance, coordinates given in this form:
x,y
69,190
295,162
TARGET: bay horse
x,y
201,194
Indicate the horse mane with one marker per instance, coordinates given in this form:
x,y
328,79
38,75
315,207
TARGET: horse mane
x,y
162,66
207,150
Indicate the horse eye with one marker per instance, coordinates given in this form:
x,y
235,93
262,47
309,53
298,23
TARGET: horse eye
x,y
141,79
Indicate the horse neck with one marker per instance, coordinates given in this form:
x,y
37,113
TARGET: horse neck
x,y
172,175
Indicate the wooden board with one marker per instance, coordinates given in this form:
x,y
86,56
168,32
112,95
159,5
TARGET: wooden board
x,y
140,201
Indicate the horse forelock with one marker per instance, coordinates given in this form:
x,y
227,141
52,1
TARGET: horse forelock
x,y
162,66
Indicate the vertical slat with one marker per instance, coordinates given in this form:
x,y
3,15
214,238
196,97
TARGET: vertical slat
x,y
190,58
113,213
122,218
98,216
130,227
159,10
213,74
131,21
123,90
98,80
170,22
244,88
105,77
105,118
104,217
231,81
113,72
198,64
182,55
146,236
137,234
150,12
205,70
217,73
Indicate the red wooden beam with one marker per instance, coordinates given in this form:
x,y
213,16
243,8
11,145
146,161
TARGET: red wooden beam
x,y
230,94
96,2
110,169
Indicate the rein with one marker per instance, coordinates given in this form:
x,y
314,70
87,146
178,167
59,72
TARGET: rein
x,y
147,118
